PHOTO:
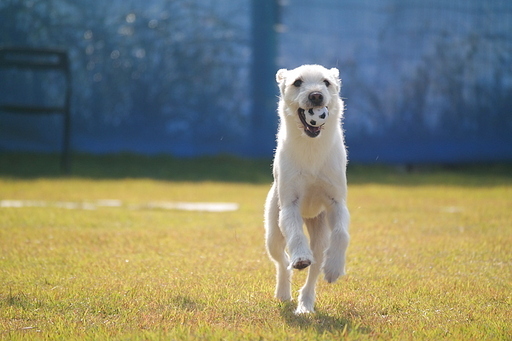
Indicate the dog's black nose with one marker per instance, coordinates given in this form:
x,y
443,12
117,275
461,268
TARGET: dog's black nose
x,y
316,98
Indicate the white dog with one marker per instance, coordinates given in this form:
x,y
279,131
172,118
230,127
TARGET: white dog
x,y
310,185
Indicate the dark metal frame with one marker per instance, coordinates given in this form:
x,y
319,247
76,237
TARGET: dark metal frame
x,y
42,59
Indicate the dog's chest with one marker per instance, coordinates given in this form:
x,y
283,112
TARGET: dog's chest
x,y
315,198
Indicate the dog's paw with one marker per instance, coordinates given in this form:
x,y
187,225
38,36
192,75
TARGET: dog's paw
x,y
334,267
306,301
332,271
303,308
301,263
333,276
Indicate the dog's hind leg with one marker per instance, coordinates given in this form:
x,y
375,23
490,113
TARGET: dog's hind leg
x,y
276,245
339,219
319,239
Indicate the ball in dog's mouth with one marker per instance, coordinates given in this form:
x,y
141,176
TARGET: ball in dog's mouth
x,y
313,119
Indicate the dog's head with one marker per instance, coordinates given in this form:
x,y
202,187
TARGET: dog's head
x,y
309,87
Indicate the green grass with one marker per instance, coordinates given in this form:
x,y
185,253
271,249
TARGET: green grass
x,y
430,256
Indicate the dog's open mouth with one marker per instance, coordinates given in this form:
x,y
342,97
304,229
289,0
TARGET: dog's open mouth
x,y
310,130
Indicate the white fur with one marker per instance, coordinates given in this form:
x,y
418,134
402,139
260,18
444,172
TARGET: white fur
x,y
309,187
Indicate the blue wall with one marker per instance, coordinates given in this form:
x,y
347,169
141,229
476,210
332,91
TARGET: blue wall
x,y
423,81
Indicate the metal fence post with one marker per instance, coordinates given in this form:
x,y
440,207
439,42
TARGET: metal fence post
x,y
263,69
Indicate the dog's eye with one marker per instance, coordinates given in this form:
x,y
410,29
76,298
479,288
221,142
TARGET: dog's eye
x,y
326,82
297,83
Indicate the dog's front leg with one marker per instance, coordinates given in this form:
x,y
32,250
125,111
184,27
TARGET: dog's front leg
x,y
290,222
339,219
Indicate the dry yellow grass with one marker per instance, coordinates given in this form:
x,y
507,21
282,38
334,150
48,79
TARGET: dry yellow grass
x,y
430,259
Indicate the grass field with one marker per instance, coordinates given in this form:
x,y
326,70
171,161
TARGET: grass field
x,y
430,255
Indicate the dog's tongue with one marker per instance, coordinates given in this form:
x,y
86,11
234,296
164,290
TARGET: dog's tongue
x,y
313,130
310,130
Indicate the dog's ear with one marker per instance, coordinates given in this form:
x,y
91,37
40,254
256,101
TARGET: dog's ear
x,y
281,75
335,72
336,75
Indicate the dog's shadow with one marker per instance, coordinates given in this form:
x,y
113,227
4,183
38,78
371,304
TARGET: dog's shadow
x,y
320,321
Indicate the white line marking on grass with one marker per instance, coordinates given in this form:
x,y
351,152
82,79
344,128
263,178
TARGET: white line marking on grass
x,y
22,203
184,206
196,206
452,209
109,203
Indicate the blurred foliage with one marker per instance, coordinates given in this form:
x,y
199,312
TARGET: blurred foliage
x,y
227,168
